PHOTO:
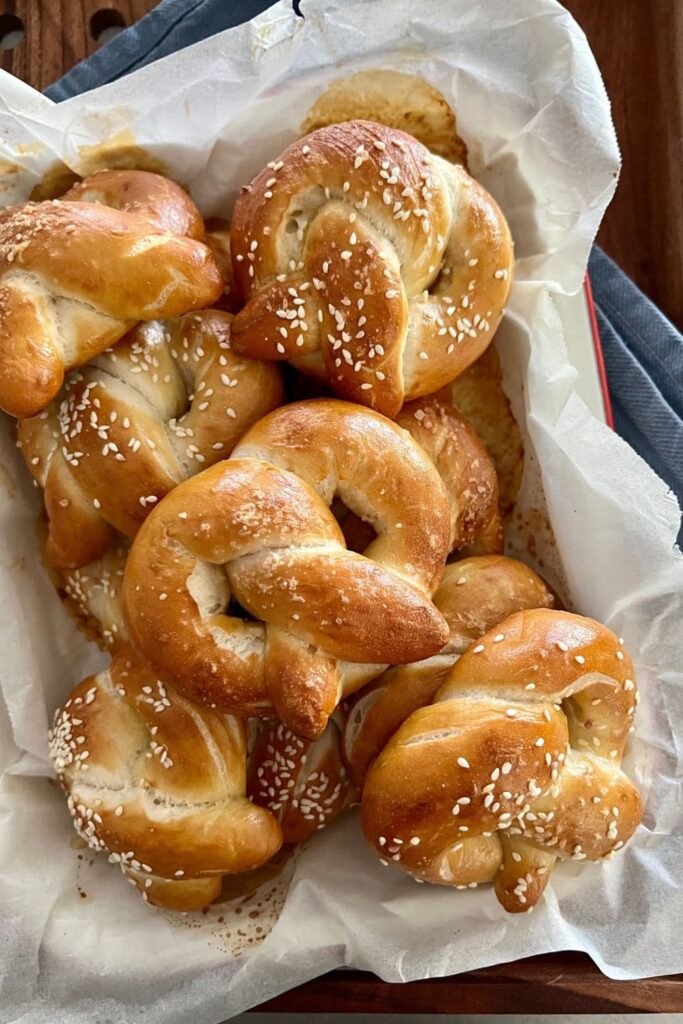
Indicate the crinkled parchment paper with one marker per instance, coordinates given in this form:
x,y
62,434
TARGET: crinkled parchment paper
x,y
75,943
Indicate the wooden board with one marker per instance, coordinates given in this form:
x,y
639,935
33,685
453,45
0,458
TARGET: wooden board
x,y
568,982
639,47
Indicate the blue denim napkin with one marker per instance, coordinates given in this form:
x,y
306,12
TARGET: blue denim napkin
x,y
643,351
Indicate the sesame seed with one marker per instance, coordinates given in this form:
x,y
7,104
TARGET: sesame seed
x,y
463,762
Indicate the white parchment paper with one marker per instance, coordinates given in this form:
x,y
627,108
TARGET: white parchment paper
x,y
76,945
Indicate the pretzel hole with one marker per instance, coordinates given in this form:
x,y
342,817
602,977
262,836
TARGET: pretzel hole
x,y
358,532
236,611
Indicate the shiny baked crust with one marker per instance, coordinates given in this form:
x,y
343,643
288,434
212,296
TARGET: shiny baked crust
x,y
516,763
370,263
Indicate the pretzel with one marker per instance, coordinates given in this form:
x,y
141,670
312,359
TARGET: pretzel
x,y
162,202
159,785
261,533
369,263
463,464
168,400
473,596
515,764
75,276
304,783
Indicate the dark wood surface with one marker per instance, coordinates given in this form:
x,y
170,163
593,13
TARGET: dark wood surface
x,y
558,982
639,47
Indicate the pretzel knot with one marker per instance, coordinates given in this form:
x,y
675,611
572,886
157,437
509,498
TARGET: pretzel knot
x,y
76,274
370,263
515,764
167,401
159,784
264,535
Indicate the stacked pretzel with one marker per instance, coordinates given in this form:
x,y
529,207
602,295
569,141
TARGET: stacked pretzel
x,y
306,605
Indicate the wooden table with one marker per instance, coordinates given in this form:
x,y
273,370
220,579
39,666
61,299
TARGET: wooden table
x,y
639,47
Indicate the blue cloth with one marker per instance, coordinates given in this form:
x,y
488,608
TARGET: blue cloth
x,y
643,351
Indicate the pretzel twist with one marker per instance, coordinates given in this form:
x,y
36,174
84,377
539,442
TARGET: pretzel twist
x,y
473,596
75,275
370,263
159,784
515,764
264,534
167,401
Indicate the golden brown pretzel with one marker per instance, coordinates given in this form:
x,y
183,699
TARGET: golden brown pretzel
x,y
159,785
287,564
516,763
304,783
167,401
74,277
473,596
463,464
370,263
158,199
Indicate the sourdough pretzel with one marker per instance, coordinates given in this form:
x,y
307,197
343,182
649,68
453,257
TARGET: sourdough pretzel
x,y
304,783
474,595
159,784
370,263
255,527
515,764
168,400
75,276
